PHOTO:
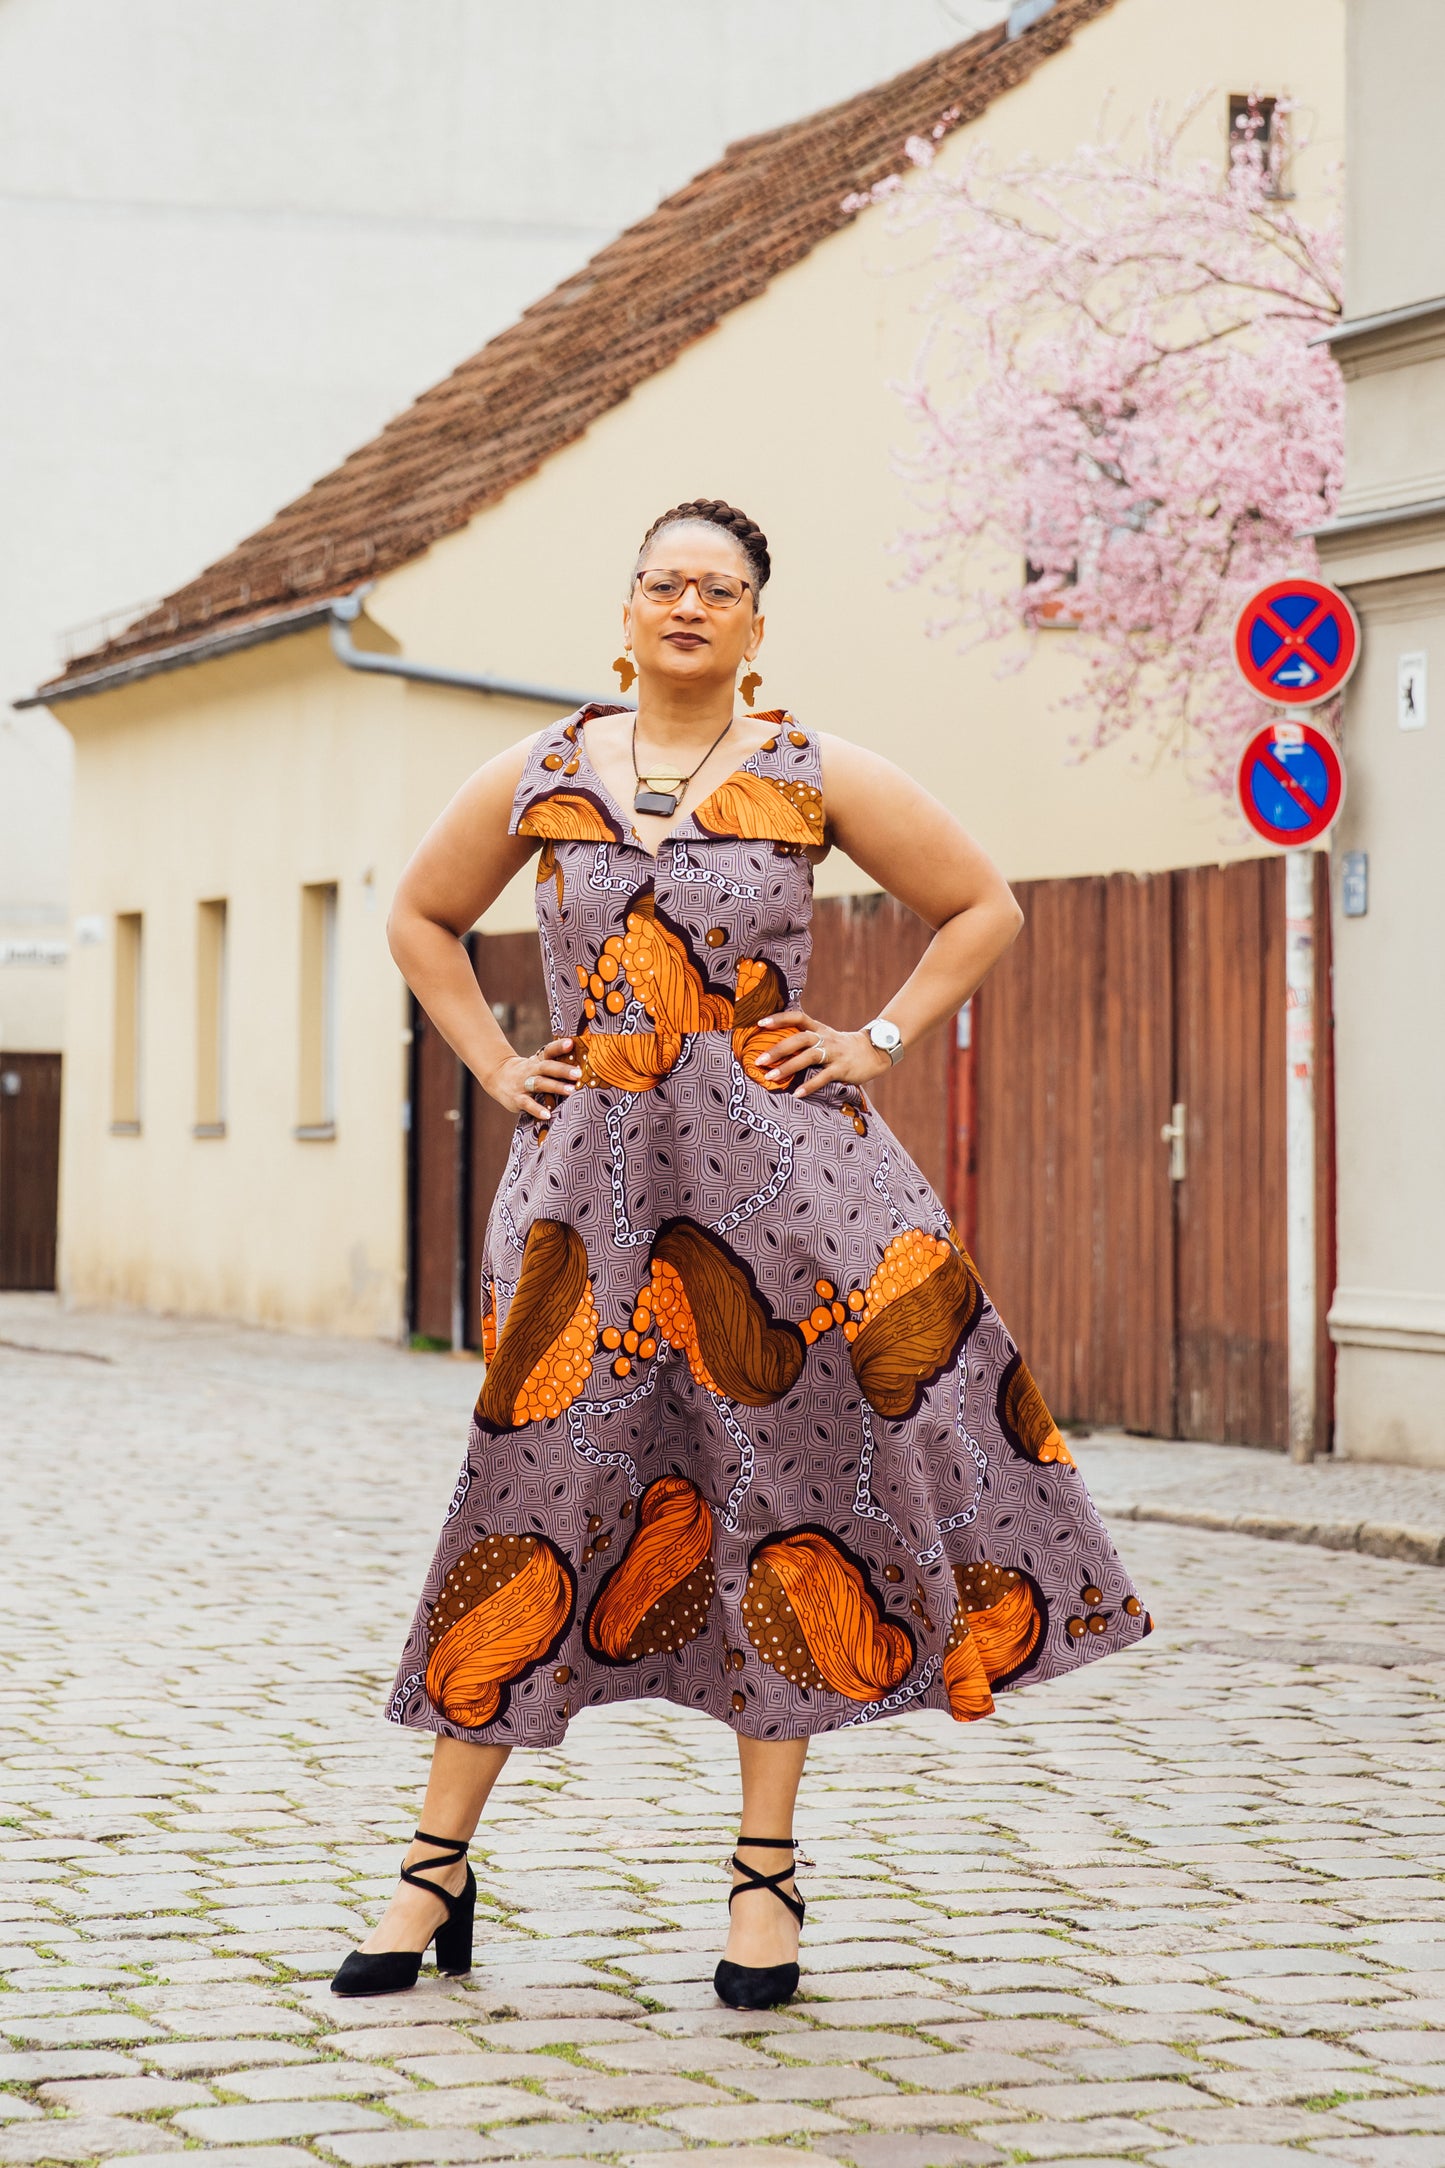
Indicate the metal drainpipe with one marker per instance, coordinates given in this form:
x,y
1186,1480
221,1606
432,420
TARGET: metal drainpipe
x,y
346,610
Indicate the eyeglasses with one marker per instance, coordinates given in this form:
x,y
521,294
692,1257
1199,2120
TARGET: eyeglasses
x,y
715,590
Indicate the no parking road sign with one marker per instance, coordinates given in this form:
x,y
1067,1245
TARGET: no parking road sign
x,y
1291,783
1296,642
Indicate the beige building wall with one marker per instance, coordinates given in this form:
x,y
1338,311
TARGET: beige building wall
x,y
1394,234
248,777
1388,549
246,780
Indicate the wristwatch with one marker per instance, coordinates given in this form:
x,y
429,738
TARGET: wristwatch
x,y
886,1037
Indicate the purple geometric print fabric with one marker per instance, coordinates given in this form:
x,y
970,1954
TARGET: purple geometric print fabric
x,y
752,1437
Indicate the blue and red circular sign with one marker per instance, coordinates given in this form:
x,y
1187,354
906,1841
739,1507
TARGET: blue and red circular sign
x,y
1296,642
1291,783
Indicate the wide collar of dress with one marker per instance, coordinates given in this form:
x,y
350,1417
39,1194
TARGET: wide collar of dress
x,y
563,799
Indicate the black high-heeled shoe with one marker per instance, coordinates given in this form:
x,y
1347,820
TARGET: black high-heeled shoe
x,y
760,1987
390,1972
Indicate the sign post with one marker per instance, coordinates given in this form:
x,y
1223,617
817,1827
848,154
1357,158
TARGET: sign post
x,y
1299,1145
1296,643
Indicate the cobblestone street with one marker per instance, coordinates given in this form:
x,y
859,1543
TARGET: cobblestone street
x,y
1184,1906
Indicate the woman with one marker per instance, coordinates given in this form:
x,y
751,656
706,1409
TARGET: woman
x,y
751,1435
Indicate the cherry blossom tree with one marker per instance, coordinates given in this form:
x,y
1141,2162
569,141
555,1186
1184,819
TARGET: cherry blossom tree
x,y
1119,399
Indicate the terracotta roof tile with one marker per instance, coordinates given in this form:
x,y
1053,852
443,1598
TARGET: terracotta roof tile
x,y
582,349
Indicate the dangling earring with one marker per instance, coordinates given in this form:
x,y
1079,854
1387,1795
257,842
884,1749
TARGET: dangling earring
x,y
749,687
626,671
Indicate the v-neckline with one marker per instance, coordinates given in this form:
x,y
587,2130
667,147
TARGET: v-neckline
x,y
629,831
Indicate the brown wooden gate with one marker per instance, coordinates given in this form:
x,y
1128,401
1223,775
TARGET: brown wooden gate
x,y
29,1168
1155,1304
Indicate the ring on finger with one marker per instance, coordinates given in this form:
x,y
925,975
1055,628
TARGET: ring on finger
x,y
532,1083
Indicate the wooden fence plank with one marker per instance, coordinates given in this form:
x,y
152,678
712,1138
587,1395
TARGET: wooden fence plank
x,y
435,1149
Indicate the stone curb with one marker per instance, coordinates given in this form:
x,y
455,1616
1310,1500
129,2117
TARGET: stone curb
x,y
1378,1539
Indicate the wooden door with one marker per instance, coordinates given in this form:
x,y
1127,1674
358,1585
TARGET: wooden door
x,y
29,1169
1231,1327
1072,1063
1155,1304
437,1238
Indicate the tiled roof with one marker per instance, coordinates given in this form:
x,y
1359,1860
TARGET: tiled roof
x,y
536,386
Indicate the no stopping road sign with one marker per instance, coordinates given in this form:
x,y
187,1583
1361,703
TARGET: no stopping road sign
x,y
1291,782
1296,642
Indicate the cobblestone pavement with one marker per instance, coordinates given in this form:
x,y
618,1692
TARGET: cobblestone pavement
x,y
1182,1907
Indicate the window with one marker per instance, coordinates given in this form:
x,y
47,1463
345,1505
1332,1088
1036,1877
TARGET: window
x,y
125,1089
1257,124
211,1019
1048,610
317,1114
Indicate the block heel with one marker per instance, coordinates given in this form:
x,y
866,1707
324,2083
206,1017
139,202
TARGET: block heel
x,y
454,1937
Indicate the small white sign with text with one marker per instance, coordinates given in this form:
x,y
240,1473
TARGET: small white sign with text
x,y
1411,691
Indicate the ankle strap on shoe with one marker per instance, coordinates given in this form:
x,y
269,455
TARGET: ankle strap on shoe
x,y
776,1844
456,1846
771,1882
450,1851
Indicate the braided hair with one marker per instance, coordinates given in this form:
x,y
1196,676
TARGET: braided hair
x,y
712,512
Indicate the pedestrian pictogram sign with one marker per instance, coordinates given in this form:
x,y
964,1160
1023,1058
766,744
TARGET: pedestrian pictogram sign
x,y
1291,783
1296,642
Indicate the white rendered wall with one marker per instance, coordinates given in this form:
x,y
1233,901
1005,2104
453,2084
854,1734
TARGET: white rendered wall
x,y
234,241
1388,1314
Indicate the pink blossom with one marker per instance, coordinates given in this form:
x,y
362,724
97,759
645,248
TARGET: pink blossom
x,y
1118,387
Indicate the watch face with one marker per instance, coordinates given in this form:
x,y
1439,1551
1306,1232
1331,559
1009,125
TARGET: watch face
x,y
885,1036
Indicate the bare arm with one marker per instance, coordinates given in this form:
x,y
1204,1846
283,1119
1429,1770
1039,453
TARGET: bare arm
x,y
913,847
456,872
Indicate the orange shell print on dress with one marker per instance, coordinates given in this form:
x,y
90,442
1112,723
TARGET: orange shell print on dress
x,y
1005,1614
812,1616
549,868
663,975
655,1600
545,1349
1024,1418
760,993
920,1304
630,1061
969,1693
569,816
761,808
505,1605
706,1303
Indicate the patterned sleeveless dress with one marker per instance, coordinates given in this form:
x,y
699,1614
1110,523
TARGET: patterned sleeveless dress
x,y
752,1437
